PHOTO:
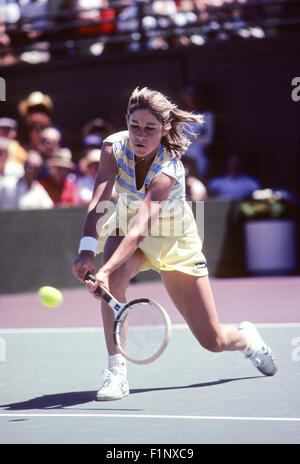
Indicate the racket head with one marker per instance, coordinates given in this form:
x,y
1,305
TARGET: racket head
x,y
147,328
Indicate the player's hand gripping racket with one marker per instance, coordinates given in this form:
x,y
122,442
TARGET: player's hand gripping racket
x,y
142,327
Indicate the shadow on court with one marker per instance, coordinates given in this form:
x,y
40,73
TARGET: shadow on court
x,y
195,385
69,399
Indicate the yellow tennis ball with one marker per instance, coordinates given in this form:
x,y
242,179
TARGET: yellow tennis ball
x,y
50,296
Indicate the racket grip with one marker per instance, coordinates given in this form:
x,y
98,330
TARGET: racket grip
x,y
99,291
90,276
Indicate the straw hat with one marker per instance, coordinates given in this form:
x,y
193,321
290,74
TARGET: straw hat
x,y
93,156
35,99
62,159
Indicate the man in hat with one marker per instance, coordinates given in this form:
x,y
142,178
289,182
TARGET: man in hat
x,y
50,142
36,111
60,189
36,102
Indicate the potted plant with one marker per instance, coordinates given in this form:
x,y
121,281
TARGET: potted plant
x,y
269,232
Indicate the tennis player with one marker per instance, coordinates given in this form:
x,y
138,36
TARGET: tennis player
x,y
153,227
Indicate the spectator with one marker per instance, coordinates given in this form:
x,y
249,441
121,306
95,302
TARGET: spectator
x,y
34,23
36,111
25,192
11,11
91,142
195,190
50,142
7,167
97,126
9,15
60,189
34,12
235,184
89,166
194,102
94,12
8,130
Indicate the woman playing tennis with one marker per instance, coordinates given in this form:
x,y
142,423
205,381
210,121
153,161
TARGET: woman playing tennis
x,y
153,227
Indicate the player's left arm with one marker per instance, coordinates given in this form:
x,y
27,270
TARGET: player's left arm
x,y
144,219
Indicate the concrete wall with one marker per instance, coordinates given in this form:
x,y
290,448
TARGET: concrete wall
x,y
37,247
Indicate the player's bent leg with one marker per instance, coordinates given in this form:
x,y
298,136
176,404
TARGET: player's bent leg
x,y
194,299
115,384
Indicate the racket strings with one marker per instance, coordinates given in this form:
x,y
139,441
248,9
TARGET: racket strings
x,y
144,331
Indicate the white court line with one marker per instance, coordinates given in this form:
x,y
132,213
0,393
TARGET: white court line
x,y
154,416
272,325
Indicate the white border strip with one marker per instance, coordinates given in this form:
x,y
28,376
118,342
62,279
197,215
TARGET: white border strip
x,y
272,325
154,416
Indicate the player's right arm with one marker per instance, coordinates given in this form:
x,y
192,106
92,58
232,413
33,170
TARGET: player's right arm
x,y
104,183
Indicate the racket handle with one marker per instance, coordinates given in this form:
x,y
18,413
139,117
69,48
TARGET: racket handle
x,y
90,276
99,290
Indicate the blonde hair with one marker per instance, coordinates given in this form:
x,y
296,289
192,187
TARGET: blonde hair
x,y
171,117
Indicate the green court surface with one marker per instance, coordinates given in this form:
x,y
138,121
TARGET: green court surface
x,y
50,375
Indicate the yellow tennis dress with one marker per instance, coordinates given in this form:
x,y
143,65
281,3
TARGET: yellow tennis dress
x,y
173,243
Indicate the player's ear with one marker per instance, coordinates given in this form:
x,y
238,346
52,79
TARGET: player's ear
x,y
166,129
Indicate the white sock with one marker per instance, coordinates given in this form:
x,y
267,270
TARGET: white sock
x,y
117,364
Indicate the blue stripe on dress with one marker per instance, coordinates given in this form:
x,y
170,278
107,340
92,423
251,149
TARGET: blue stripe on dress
x,y
128,152
123,165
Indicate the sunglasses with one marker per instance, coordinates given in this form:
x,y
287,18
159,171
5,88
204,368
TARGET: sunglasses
x,y
37,127
32,167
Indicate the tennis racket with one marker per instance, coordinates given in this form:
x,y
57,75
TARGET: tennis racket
x,y
142,327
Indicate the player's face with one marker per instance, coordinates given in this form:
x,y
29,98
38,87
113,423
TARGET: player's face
x,y
145,133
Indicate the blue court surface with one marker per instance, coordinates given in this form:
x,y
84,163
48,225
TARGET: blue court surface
x,y
51,363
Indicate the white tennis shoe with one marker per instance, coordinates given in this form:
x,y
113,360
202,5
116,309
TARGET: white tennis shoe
x,y
259,353
114,387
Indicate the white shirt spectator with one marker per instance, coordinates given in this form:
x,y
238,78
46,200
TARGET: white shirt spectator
x,y
12,169
85,187
15,194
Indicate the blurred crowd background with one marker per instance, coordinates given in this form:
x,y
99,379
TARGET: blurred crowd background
x,y
45,164
35,31
38,171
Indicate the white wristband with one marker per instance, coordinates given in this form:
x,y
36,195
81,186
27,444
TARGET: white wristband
x,y
88,244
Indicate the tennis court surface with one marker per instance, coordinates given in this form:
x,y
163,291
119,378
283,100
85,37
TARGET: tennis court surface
x,y
51,363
